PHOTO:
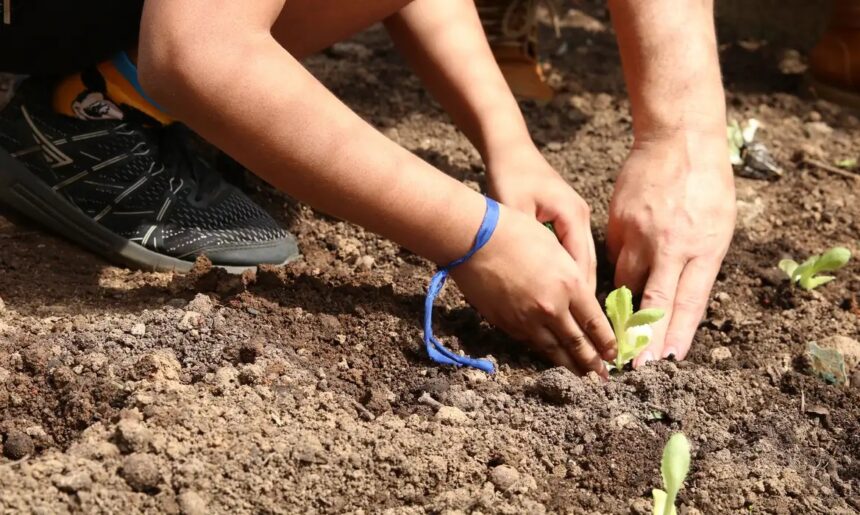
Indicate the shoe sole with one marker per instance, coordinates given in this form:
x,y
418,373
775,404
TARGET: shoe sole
x,y
24,192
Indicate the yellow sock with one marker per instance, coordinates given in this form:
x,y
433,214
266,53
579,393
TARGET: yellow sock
x,y
99,93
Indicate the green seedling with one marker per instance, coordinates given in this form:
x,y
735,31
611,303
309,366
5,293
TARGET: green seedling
x,y
632,330
739,138
849,163
806,275
673,468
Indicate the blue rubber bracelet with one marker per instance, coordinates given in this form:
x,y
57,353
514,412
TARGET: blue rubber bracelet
x,y
435,349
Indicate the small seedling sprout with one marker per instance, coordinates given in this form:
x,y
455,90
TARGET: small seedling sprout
x,y
806,275
674,469
632,330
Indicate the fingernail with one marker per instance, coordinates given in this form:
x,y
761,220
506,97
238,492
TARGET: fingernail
x,y
670,353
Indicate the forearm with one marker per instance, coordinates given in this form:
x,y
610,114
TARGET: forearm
x,y
445,43
671,65
276,119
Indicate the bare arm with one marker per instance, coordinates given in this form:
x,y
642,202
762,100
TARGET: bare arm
x,y
215,65
672,213
446,44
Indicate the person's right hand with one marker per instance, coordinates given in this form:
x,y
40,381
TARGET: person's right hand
x,y
524,282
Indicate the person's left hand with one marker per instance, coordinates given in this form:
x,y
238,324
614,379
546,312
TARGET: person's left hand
x,y
522,179
671,220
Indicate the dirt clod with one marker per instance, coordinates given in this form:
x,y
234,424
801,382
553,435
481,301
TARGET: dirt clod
x,y
452,416
559,385
504,477
17,445
720,354
191,503
73,482
141,473
132,436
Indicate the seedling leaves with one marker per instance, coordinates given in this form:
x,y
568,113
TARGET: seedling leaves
x,y
674,469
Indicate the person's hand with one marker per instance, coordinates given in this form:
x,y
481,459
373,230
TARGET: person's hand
x,y
671,220
526,284
521,179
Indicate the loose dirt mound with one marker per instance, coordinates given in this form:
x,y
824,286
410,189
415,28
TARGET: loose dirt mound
x,y
306,389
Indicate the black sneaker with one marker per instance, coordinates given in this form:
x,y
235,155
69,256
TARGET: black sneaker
x,y
128,189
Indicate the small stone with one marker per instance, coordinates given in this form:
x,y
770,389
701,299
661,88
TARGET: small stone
x,y
848,347
623,420
720,354
161,364
2,306
201,303
365,263
504,477
190,320
474,376
554,146
73,482
132,436
190,503
451,415
141,473
138,329
723,297
18,445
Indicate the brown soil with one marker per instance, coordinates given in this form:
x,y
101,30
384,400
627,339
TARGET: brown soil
x,y
306,389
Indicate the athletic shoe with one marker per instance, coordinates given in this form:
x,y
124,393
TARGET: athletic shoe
x,y
122,185
512,30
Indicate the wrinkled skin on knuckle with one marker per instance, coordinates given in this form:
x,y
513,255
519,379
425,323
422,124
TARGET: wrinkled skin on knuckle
x,y
592,326
656,297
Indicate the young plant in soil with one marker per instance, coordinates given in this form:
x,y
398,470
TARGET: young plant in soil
x,y
806,275
632,330
673,468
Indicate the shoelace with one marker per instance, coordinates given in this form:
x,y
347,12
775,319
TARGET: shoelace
x,y
435,349
177,153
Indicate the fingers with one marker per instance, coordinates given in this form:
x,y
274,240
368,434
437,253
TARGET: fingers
x,y
589,316
689,306
659,292
573,229
546,343
631,271
574,342
592,268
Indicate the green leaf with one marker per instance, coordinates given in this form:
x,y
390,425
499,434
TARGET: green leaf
x,y
848,163
736,143
811,283
832,260
805,270
749,130
788,266
619,308
645,316
674,468
660,502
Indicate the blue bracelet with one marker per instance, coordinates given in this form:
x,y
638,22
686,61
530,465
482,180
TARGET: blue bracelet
x,y
435,349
